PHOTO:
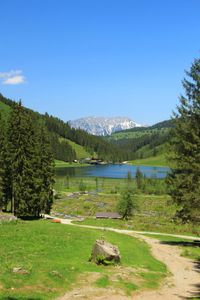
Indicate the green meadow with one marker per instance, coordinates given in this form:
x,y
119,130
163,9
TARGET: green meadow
x,y
157,161
80,150
56,256
103,194
4,108
63,164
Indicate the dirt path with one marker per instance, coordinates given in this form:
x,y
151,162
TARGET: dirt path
x,y
183,284
184,280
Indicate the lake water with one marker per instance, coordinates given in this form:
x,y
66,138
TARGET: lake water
x,y
112,171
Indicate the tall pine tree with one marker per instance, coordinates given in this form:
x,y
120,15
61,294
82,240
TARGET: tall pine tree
x,y
21,147
46,170
5,166
31,165
185,145
2,140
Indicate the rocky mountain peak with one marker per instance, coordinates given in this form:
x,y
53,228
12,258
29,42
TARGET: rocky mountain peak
x,y
103,125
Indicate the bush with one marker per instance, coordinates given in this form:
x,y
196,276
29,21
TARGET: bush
x,y
82,186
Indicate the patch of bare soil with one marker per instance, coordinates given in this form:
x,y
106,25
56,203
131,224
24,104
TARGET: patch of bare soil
x,y
86,289
185,279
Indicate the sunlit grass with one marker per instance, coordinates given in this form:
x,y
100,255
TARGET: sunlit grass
x,y
55,256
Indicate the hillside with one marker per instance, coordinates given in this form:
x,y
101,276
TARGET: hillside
x,y
68,143
158,160
160,128
143,142
5,109
80,151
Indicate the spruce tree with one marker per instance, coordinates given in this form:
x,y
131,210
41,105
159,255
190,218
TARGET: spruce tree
x,y
139,178
7,178
26,164
184,180
126,205
5,167
2,140
46,171
22,151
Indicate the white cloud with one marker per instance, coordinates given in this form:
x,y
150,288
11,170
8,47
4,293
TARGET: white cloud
x,y
12,77
14,80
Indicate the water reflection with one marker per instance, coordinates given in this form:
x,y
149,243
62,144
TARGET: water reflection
x,y
112,171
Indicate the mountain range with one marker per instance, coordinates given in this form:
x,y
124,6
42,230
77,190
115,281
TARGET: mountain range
x,y
103,126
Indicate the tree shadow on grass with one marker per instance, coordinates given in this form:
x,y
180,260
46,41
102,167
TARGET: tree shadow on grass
x,y
20,298
194,244
30,218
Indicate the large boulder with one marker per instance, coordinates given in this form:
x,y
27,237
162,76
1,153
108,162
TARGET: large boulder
x,y
105,253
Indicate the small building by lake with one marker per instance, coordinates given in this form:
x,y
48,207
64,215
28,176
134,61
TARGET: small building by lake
x,y
108,215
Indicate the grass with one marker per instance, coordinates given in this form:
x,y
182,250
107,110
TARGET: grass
x,y
157,161
103,185
153,212
103,194
103,281
84,205
145,223
63,164
56,256
80,150
4,109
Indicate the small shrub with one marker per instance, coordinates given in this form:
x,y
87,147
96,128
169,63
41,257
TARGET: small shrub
x,y
82,186
101,260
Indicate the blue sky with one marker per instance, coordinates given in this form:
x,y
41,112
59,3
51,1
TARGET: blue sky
x,y
98,57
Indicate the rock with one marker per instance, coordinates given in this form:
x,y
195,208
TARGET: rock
x,y
56,273
105,253
7,218
19,270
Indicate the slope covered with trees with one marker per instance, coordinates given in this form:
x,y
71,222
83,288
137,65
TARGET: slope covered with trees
x,y
60,132
91,143
143,142
135,143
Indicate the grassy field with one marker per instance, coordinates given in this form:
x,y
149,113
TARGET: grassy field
x,y
55,258
103,185
62,164
4,109
148,221
101,194
80,150
159,161
153,212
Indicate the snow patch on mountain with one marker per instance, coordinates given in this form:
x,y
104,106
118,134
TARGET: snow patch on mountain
x,y
103,126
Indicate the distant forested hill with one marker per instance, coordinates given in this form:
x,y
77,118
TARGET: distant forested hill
x,y
143,142
61,134
69,144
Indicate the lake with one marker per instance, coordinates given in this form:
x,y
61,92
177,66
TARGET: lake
x,y
112,171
